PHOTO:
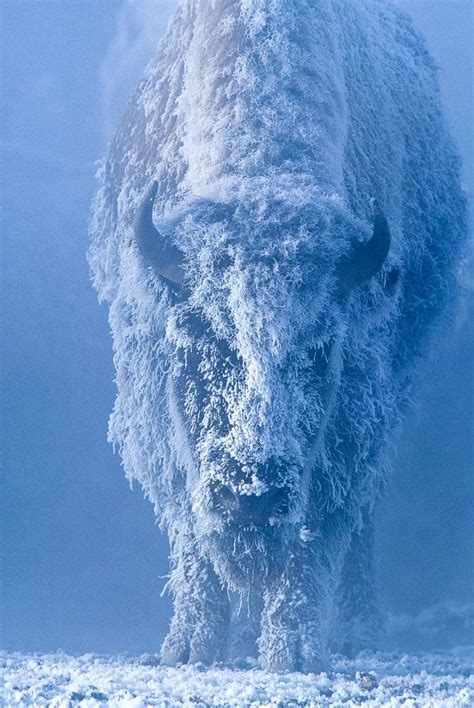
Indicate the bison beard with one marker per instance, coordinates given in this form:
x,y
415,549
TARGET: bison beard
x,y
277,232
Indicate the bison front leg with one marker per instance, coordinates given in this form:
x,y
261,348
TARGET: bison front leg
x,y
200,625
359,622
295,603
245,628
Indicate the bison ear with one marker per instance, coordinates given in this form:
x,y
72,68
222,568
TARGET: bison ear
x,y
166,259
367,259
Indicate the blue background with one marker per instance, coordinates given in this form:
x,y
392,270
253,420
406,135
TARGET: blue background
x,y
82,559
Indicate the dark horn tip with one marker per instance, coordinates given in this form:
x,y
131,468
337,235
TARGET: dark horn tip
x,y
153,189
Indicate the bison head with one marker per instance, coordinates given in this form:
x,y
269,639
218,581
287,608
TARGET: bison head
x,y
256,342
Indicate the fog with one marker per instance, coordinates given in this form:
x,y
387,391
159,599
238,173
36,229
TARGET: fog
x,y
83,562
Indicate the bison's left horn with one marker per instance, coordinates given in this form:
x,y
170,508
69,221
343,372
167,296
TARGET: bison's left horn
x,y
367,259
166,259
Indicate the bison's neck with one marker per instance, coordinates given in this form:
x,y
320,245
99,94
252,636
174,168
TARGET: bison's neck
x,y
263,92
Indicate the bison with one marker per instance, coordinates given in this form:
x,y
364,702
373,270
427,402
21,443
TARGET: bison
x,y
277,231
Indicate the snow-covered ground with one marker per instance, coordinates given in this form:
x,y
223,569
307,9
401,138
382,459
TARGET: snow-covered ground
x,y
379,679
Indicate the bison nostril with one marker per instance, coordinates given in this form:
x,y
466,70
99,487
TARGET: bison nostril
x,y
224,498
250,508
259,509
280,500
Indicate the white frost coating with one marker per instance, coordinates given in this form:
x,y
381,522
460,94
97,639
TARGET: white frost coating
x,y
373,680
270,127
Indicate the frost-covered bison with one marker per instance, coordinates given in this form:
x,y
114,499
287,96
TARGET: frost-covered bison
x,y
277,230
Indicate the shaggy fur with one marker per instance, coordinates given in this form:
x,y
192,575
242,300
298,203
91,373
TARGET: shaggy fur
x,y
269,126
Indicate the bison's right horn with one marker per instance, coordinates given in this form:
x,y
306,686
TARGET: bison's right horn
x,y
166,259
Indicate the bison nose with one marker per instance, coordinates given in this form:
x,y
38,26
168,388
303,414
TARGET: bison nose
x,y
260,509
255,509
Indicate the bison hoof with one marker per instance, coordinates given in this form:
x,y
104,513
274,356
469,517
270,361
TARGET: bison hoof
x,y
203,657
174,652
316,665
172,659
183,654
277,665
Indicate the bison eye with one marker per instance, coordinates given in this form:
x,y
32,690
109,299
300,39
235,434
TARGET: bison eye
x,y
318,357
392,277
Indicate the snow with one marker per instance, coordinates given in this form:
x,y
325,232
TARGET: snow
x,y
372,679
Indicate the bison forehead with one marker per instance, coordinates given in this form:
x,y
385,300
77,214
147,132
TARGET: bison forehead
x,y
260,272
263,311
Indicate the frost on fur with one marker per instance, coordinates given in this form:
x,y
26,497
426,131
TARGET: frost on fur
x,y
265,348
